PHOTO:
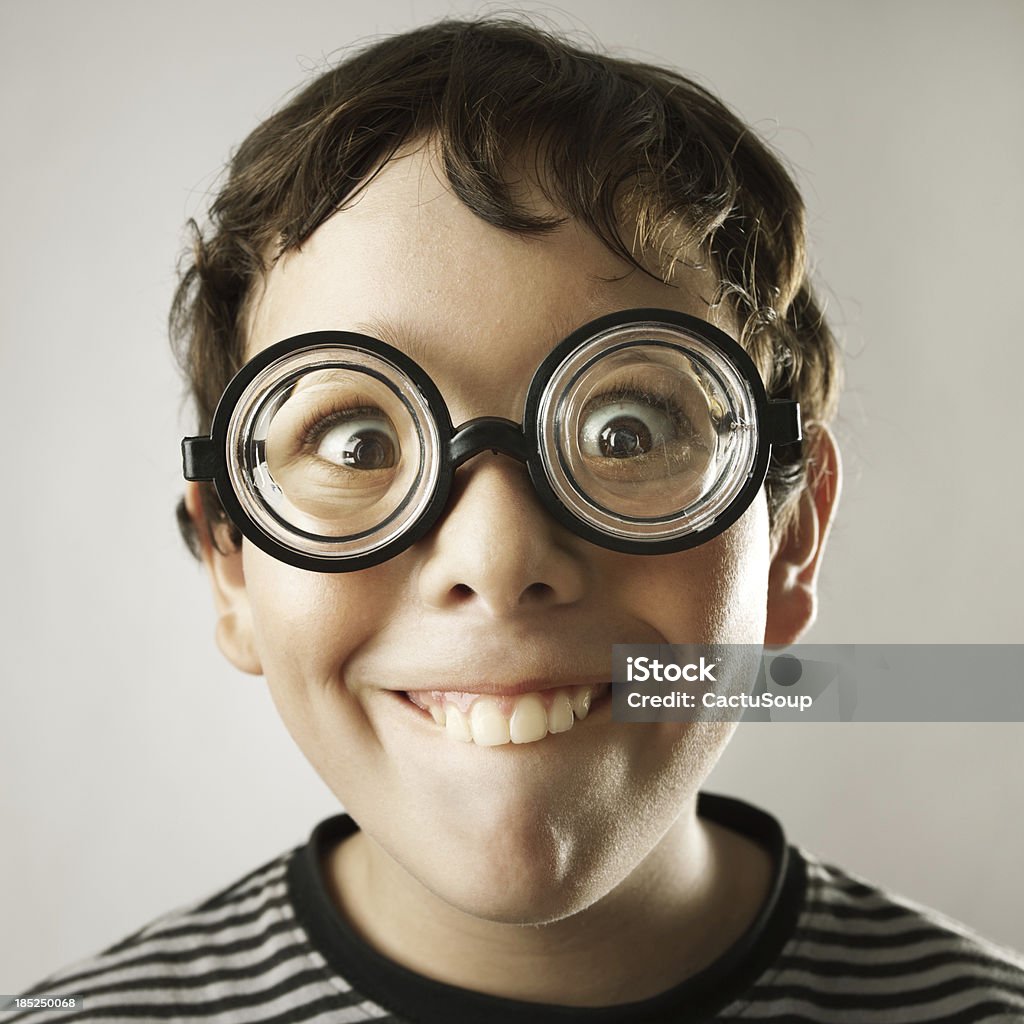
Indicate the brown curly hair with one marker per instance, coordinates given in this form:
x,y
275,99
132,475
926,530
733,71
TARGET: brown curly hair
x,y
615,142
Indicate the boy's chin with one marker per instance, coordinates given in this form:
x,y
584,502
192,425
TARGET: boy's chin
x,y
535,908
532,863
526,880
531,846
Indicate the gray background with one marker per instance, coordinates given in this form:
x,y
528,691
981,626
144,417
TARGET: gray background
x,y
139,771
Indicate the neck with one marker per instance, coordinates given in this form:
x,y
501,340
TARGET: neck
x,y
681,908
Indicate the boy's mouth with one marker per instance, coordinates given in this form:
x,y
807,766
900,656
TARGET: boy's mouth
x,y
493,720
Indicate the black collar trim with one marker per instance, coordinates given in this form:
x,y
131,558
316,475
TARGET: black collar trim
x,y
419,999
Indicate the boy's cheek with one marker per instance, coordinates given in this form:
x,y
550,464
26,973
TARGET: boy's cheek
x,y
300,616
306,627
713,593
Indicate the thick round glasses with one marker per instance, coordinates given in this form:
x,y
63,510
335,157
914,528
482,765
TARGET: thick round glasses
x,y
645,431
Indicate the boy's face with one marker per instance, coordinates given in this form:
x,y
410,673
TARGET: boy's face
x,y
498,595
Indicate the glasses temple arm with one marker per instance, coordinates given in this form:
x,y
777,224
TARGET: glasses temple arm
x,y
783,422
199,458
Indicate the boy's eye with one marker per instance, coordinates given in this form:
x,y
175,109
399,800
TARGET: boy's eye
x,y
358,439
624,430
645,444
630,433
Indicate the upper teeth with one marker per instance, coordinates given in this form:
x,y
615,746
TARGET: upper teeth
x,y
492,721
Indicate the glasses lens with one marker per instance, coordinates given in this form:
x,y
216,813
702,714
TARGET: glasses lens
x,y
335,451
648,431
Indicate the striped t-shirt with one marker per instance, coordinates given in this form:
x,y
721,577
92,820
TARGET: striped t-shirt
x,y
272,948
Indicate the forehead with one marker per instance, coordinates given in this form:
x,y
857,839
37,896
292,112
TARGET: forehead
x,y
409,263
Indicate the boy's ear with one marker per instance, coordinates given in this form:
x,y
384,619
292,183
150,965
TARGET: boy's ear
x,y
231,599
796,557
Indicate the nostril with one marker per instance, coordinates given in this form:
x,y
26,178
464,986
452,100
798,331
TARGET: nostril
x,y
462,592
537,592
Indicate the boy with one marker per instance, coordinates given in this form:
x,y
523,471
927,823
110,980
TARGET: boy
x,y
482,292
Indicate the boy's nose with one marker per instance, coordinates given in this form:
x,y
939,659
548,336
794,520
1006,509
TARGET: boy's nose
x,y
496,547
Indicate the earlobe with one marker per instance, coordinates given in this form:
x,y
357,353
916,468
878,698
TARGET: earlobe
x,y
793,576
234,638
234,632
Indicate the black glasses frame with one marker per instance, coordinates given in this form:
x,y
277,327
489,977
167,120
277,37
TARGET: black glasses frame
x,y
205,458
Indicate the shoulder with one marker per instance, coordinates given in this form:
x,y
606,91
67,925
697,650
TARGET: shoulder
x,y
857,947
210,956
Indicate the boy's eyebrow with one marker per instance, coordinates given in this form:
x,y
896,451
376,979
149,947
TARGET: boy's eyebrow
x,y
401,336
414,343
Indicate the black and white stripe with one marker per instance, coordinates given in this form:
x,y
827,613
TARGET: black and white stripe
x,y
859,954
856,954
238,957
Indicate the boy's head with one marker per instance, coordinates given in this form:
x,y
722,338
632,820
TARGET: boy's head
x,y
470,193
655,166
